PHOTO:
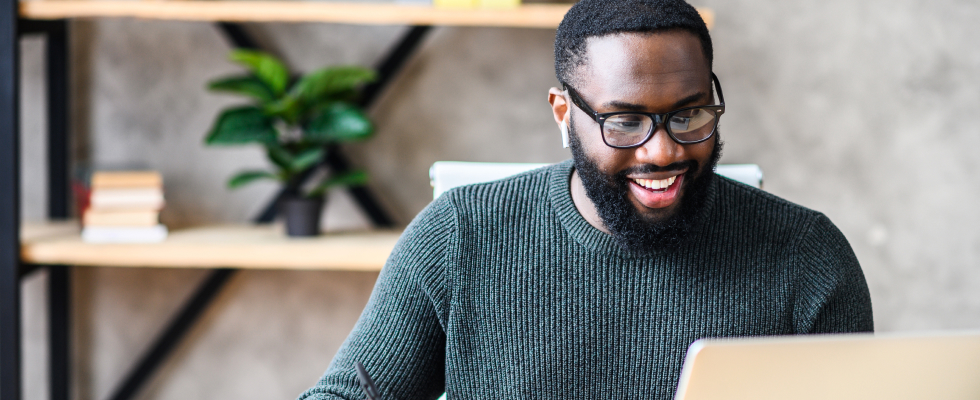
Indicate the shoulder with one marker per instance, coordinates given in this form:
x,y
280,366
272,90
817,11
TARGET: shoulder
x,y
764,212
518,194
804,239
808,233
484,205
737,196
444,214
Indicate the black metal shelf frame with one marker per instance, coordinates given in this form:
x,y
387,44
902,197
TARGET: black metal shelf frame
x,y
12,270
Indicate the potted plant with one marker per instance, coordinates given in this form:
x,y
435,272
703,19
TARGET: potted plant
x,y
295,120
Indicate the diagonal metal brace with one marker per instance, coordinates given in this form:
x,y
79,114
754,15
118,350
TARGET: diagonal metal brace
x,y
174,333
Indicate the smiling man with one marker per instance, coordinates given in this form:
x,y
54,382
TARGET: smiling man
x,y
590,278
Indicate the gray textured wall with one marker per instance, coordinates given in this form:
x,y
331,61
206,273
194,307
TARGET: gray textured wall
x,y
862,110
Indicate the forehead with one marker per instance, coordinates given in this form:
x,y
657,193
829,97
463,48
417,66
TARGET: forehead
x,y
630,64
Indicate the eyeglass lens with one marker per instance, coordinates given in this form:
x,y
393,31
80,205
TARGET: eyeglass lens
x,y
686,126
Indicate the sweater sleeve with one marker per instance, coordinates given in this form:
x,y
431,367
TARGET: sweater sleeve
x,y
400,337
832,294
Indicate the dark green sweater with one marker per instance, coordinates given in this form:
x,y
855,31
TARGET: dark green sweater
x,y
503,291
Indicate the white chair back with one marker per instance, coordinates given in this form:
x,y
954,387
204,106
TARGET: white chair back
x,y
445,175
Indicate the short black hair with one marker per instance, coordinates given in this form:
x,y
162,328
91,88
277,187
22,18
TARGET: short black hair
x,y
594,18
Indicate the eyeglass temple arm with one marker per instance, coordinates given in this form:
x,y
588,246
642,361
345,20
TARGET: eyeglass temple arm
x,y
721,96
577,100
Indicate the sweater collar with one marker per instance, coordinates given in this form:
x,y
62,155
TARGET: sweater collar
x,y
559,193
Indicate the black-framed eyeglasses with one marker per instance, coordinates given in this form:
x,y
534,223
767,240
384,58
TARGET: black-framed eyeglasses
x,y
628,129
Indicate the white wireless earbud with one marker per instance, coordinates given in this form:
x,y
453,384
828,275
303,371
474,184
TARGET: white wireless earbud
x,y
564,134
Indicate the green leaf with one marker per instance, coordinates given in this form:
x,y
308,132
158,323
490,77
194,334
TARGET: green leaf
x,y
244,85
332,81
353,178
289,108
339,121
246,177
265,66
307,158
280,156
242,125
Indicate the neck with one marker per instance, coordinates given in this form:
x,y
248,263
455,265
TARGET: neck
x,y
584,204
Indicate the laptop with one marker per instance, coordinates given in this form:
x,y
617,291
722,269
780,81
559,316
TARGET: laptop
x,y
840,367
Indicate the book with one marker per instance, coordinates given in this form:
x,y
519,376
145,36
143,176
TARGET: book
x,y
114,234
134,218
119,198
126,179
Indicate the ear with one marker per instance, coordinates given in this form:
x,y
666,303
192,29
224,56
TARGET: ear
x,y
559,105
560,109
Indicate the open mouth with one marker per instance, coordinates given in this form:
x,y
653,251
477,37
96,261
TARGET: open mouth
x,y
654,185
657,193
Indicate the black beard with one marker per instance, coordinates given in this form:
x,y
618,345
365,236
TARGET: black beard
x,y
631,230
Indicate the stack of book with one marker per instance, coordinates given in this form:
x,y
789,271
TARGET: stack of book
x,y
124,207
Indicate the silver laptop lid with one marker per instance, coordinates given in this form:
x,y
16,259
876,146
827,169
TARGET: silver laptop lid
x,y
842,367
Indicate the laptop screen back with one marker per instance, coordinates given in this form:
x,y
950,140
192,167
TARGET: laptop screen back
x,y
842,367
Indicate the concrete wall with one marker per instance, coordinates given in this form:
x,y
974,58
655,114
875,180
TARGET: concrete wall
x,y
863,110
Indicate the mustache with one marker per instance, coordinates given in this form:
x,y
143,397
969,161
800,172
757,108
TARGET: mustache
x,y
690,165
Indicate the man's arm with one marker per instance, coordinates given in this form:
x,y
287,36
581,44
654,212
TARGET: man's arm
x,y
832,294
399,337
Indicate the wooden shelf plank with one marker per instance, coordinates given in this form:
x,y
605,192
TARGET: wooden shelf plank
x,y
533,15
245,246
527,16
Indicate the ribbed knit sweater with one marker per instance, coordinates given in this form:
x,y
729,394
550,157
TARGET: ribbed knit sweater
x,y
502,290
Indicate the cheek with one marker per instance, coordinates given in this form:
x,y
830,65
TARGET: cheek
x,y
607,159
701,152
586,134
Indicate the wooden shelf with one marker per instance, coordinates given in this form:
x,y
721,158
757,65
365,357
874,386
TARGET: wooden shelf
x,y
534,15
245,246
527,16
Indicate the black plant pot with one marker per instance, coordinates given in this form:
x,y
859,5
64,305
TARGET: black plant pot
x,y
302,215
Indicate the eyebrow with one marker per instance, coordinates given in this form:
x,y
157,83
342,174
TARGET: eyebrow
x,y
625,106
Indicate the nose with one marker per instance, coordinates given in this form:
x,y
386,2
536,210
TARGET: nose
x,y
660,150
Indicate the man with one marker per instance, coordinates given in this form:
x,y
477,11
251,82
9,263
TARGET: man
x,y
589,279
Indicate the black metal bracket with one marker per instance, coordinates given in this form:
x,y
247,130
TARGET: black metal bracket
x,y
59,328
29,269
237,36
57,53
10,301
393,63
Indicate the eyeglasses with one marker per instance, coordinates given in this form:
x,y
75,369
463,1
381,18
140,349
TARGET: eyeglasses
x,y
628,129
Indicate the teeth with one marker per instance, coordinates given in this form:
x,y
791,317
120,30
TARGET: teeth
x,y
656,184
